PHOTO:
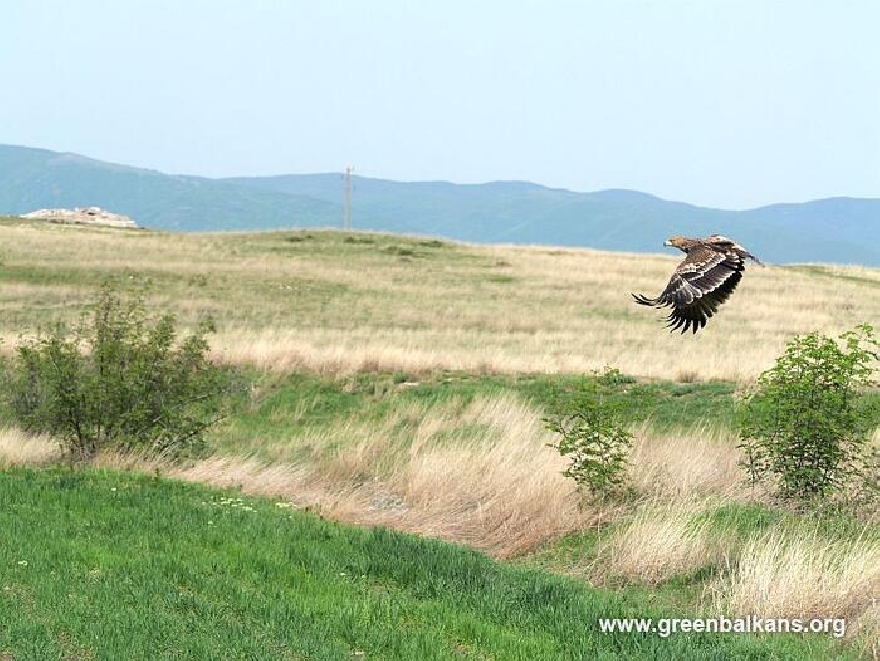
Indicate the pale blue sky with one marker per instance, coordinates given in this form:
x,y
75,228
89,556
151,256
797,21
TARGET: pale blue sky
x,y
723,103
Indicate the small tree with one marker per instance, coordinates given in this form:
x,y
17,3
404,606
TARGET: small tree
x,y
594,433
809,421
120,379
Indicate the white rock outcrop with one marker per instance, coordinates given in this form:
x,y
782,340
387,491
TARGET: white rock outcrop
x,y
82,215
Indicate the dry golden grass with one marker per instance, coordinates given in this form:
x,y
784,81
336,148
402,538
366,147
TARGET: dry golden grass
x,y
20,449
785,574
503,492
687,465
660,542
869,630
331,306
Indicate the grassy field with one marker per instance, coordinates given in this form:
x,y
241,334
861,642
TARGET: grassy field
x,y
401,382
335,303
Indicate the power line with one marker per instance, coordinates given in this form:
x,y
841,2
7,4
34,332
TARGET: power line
x,y
346,216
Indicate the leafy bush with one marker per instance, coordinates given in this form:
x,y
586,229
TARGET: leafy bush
x,y
809,422
120,379
594,432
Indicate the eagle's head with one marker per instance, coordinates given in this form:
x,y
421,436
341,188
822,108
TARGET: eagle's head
x,y
680,242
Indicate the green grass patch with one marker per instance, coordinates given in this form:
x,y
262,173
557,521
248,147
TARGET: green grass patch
x,y
744,519
401,251
104,565
370,250
665,405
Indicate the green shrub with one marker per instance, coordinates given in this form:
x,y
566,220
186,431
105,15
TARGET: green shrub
x,y
121,379
591,420
400,251
808,423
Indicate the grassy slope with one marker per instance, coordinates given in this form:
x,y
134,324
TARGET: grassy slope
x,y
125,567
329,302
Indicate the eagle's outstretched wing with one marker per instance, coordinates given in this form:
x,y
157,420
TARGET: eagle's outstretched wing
x,y
703,281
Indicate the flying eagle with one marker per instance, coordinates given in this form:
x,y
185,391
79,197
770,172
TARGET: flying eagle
x,y
703,281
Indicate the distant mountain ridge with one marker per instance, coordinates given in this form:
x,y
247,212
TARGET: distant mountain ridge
x,y
842,230
35,178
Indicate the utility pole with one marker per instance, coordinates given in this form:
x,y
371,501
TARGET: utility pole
x,y
346,217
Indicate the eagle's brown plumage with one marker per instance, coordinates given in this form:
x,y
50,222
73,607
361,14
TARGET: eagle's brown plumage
x,y
703,281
